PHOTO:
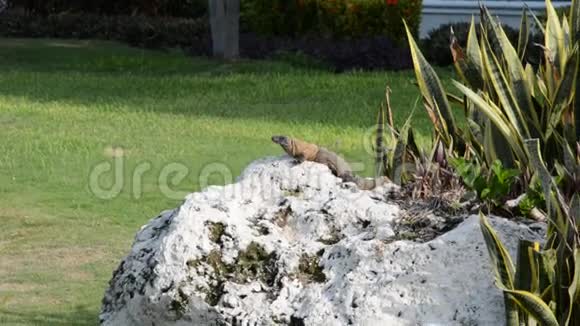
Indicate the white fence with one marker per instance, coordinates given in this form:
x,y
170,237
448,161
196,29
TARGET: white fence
x,y
438,12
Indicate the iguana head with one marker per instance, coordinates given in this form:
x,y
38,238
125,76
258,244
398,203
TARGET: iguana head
x,y
282,141
297,148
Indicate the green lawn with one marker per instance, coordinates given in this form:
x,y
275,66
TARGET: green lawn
x,y
64,106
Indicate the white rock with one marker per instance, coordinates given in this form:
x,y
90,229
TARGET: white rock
x,y
287,215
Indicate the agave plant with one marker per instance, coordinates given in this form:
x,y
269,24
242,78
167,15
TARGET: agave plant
x,y
521,115
544,286
506,100
424,174
401,143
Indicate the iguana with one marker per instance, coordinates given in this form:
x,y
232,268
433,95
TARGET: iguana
x,y
304,151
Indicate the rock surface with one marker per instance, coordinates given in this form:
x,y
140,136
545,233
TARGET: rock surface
x,y
289,244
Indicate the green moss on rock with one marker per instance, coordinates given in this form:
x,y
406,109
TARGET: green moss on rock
x,y
256,263
179,304
216,230
309,269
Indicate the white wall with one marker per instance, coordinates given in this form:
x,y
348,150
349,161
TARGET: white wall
x,y
438,12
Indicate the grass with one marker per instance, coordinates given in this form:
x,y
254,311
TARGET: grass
x,y
66,105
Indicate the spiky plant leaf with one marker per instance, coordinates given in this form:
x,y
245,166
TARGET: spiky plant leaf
x,y
492,30
504,93
575,21
468,65
565,92
534,306
554,45
546,269
577,108
575,39
561,114
380,153
531,78
398,161
473,50
524,35
432,90
496,115
500,257
575,286
525,266
568,157
539,166
507,57
502,266
575,211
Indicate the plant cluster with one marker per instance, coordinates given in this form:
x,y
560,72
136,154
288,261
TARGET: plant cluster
x,y
339,18
520,138
506,101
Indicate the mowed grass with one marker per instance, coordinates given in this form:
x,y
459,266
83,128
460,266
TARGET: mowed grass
x,y
65,106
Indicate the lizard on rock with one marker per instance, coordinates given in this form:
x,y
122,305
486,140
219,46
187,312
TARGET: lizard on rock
x,y
304,151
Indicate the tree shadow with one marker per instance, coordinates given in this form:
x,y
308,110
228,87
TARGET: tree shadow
x,y
114,76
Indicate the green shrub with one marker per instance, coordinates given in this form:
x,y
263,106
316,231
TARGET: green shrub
x,y
493,186
154,8
339,18
136,30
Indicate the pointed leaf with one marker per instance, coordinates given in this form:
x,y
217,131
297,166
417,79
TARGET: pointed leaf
x,y
575,287
515,74
538,23
398,163
380,168
503,91
468,64
432,88
500,257
554,38
565,93
524,35
575,211
575,21
499,120
524,267
534,306
502,266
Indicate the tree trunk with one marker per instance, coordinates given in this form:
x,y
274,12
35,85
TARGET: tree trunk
x,y
232,35
225,30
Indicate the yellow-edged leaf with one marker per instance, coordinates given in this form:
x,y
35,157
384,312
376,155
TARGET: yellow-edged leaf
x,y
524,35
534,306
432,88
502,266
500,257
503,91
575,21
554,38
495,114
566,91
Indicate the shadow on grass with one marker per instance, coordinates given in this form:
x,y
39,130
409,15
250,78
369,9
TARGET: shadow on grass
x,y
81,315
113,76
88,56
